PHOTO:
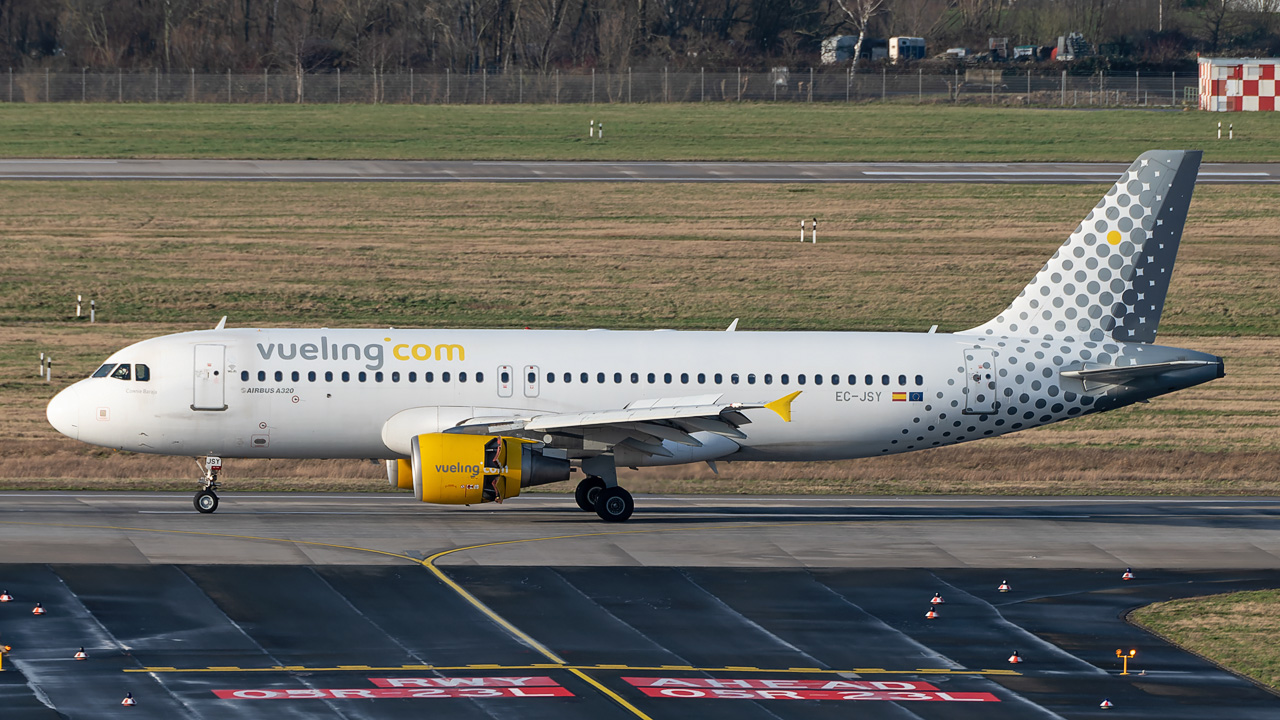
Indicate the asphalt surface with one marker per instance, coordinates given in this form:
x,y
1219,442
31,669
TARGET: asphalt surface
x,y
703,607
537,171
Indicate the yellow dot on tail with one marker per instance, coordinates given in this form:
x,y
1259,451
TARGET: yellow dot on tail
x,y
1113,237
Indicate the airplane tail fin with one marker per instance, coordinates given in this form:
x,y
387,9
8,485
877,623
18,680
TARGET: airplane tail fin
x,y
1109,279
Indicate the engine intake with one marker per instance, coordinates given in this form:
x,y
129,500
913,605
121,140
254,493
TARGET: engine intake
x,y
453,469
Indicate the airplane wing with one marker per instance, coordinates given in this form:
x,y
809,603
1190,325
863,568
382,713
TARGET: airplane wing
x,y
1121,375
642,424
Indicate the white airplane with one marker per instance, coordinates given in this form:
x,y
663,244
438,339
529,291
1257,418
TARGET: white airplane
x,y
476,416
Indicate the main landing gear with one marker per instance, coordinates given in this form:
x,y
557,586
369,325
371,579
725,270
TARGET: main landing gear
x,y
206,499
612,504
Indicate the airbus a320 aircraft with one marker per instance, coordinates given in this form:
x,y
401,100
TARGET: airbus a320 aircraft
x,y
476,416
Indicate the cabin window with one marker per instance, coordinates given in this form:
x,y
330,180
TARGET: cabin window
x,y
600,378
902,379
651,378
444,376
377,377
734,378
919,380
817,379
684,378
413,377
751,378
295,376
533,378
328,376
244,375
395,377
262,376
786,379
105,370
768,378
635,378
853,379
666,378
568,377
884,379
462,376
617,378
311,376
551,377
428,376
346,376
835,379
719,379
702,378
363,376
506,377
585,378
479,377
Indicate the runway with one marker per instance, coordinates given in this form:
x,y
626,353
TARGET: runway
x,y
356,606
604,171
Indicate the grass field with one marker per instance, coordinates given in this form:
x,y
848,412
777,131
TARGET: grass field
x,y
164,257
792,132
1236,630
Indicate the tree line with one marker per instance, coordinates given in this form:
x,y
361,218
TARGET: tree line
x,y
544,35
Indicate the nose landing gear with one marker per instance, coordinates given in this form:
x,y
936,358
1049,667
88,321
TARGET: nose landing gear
x,y
206,499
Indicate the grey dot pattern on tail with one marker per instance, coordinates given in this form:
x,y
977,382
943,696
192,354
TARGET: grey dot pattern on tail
x,y
1109,279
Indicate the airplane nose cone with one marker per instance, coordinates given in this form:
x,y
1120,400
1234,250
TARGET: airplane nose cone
x,y
64,413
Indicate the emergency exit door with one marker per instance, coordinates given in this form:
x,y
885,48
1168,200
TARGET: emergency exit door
x,y
210,378
979,381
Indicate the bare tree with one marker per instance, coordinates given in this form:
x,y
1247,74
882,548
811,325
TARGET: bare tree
x,y
859,14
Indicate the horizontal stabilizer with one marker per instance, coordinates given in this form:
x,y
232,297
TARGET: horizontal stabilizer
x,y
1122,375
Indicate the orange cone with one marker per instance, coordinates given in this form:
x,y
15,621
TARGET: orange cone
x,y
1004,586
128,700
932,614
1128,574
80,654
37,610
1015,658
937,599
1105,704
5,596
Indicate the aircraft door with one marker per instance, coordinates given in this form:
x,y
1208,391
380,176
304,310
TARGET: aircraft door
x,y
210,378
506,380
980,381
531,381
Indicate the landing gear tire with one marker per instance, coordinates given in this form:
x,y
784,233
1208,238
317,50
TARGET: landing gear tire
x,y
614,504
206,501
587,493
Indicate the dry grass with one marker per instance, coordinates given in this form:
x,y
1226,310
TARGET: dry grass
x,y
1236,630
165,257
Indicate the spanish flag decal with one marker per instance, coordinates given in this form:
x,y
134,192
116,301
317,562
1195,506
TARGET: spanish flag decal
x,y
899,397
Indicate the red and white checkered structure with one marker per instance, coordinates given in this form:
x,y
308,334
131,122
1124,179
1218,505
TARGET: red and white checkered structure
x,y
1238,84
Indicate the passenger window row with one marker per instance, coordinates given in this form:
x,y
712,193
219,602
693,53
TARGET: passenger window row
x,y
719,378
362,376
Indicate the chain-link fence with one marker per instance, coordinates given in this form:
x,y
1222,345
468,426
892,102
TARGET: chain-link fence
x,y
971,86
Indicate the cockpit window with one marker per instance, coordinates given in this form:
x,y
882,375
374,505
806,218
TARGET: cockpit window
x,y
122,372
141,372
104,371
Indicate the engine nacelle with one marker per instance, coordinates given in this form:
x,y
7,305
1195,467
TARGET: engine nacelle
x,y
400,474
455,469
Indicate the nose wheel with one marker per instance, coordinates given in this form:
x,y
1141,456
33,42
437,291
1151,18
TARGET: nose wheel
x,y
206,499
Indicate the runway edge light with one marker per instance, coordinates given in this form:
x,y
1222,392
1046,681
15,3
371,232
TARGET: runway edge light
x,y
1128,574
1105,704
128,700
5,596
1015,658
38,609
80,654
932,614
1004,586
937,599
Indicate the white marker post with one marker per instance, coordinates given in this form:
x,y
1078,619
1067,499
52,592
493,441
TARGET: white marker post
x,y
1219,131
1231,131
815,231
77,306
600,131
801,229
48,372
93,309
592,132
42,365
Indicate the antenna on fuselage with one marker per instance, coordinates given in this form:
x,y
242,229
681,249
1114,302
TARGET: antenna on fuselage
x,y
221,323
732,326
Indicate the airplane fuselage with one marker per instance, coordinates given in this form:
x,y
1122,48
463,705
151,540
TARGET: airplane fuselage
x,y
291,393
